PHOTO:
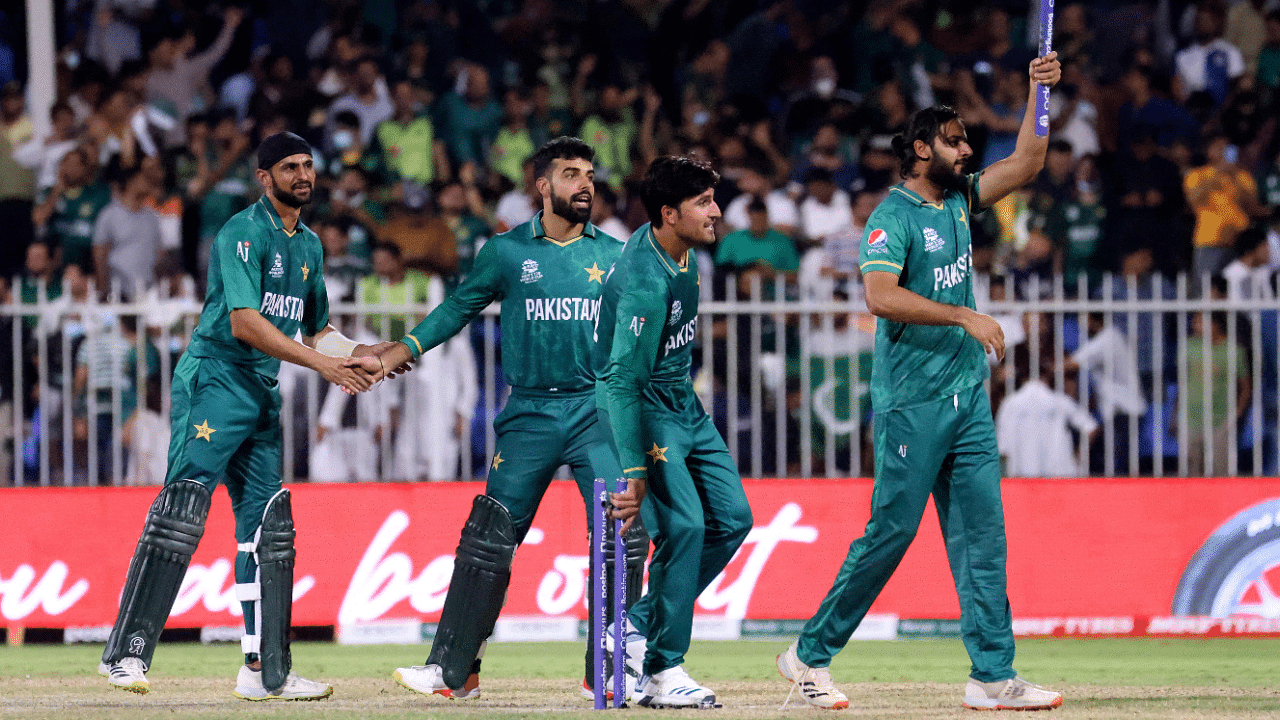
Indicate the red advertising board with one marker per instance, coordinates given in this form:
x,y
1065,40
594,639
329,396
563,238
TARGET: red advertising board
x,y
1085,555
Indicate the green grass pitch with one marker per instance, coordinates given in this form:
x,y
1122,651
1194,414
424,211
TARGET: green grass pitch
x,y
1100,678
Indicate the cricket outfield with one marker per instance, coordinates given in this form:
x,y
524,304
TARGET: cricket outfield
x,y
1100,678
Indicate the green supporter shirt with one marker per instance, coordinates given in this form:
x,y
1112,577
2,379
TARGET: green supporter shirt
x,y
255,263
741,249
612,143
550,294
648,320
406,149
927,245
413,290
71,227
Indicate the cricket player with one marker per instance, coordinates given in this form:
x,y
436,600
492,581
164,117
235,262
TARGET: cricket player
x,y
264,286
673,457
934,432
549,275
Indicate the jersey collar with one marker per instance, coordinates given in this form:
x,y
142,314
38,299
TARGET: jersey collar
x,y
672,266
539,233
915,197
274,217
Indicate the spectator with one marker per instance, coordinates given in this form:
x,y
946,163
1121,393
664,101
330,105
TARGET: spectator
x,y
41,273
1075,228
1223,197
1249,274
107,369
830,150
546,121
145,438
346,149
604,214
822,101
1147,113
470,118
126,237
216,175
280,93
350,199
1210,64
1034,425
407,140
179,78
514,143
44,155
115,34
1108,360
1208,366
1073,116
349,429
611,130
516,206
754,183
68,211
461,208
1268,75
368,98
825,209
919,66
1146,196
17,183
758,251
342,269
425,241
393,284
1145,330
434,416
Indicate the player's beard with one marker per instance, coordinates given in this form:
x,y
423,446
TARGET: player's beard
x,y
288,197
944,174
564,208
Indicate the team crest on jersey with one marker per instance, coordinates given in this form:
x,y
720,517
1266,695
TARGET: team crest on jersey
x,y
242,250
277,270
932,242
878,238
675,314
529,272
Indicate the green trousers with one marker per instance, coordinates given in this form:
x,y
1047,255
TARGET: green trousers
x,y
948,449
537,433
225,426
697,514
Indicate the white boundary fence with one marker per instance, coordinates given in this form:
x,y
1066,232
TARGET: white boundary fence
x,y
785,379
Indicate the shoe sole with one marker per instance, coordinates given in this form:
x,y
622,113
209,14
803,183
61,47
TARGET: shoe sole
x,y
445,692
841,705
1057,702
278,698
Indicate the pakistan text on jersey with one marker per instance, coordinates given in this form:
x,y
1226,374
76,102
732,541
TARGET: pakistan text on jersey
x,y
561,309
681,338
283,306
951,275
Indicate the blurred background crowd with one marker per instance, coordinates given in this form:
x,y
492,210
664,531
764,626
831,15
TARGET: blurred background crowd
x,y
1164,160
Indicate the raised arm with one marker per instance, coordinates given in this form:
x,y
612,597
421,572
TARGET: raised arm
x,y
1011,173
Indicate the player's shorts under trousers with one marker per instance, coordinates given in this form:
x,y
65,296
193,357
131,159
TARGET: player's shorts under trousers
x,y
946,448
226,428
538,431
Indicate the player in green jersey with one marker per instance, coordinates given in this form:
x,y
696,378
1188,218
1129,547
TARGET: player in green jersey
x,y
264,286
548,275
672,455
934,432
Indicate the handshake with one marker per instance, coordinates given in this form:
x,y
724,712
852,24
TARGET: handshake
x,y
367,365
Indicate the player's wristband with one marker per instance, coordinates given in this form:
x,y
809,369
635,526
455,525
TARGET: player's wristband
x,y
415,347
335,344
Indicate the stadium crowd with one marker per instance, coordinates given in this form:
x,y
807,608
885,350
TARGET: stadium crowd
x,y
1165,159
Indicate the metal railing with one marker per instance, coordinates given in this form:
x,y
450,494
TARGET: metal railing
x,y
785,378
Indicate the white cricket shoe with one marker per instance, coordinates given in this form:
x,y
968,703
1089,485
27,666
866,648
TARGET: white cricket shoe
x,y
127,674
1012,694
673,688
429,680
814,683
249,687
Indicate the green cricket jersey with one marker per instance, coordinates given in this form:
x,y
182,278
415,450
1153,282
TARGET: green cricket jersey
x,y
255,263
928,246
550,293
71,226
645,336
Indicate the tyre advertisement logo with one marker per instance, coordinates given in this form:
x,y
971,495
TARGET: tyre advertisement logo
x,y
1237,570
